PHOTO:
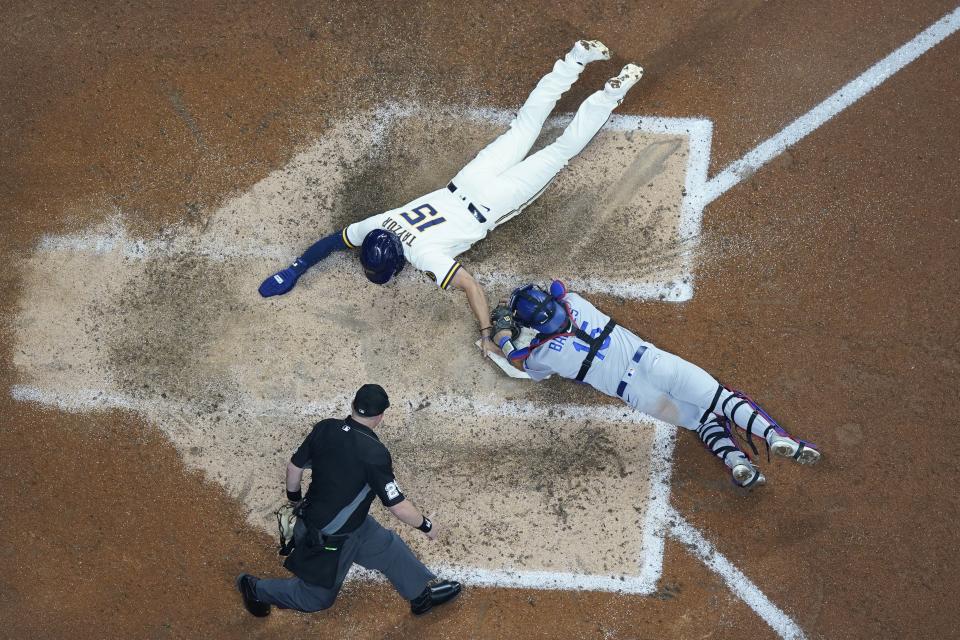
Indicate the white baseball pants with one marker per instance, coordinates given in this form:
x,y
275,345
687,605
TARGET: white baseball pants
x,y
499,179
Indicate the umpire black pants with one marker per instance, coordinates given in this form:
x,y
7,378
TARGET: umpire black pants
x,y
371,546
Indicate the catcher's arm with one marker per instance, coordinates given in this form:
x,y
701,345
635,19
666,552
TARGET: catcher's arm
x,y
498,337
505,331
503,327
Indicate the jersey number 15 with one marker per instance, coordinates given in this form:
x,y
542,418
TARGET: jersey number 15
x,y
420,214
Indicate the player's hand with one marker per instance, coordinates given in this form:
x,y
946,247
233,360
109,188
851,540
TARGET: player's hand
x,y
488,346
432,534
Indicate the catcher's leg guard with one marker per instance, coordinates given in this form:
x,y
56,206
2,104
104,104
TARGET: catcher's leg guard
x,y
742,411
716,437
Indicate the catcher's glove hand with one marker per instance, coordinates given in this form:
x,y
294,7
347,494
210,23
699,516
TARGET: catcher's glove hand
x,y
286,519
501,319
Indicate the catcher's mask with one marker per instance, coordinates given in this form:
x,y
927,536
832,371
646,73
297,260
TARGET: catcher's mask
x,y
541,311
382,255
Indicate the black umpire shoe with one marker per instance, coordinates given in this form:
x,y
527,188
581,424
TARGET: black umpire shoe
x,y
245,585
435,594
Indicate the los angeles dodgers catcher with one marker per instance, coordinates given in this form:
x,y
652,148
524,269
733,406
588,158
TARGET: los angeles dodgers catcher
x,y
431,231
575,340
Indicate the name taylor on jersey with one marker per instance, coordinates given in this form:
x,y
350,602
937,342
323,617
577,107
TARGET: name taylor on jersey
x,y
431,229
419,218
406,237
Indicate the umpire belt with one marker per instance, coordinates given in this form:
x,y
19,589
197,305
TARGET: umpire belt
x,y
470,207
623,383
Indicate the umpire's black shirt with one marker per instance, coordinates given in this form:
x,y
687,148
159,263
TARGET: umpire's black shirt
x,y
350,467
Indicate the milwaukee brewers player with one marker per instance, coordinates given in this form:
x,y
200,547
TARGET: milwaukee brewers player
x,y
575,340
433,230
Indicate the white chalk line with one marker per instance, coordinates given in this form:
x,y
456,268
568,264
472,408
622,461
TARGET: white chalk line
x,y
97,400
541,580
840,100
658,512
547,580
738,583
731,176
116,241
652,532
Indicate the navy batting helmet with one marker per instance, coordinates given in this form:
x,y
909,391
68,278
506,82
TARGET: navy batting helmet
x,y
382,255
535,308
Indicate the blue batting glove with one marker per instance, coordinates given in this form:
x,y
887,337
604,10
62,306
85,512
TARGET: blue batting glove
x,y
280,282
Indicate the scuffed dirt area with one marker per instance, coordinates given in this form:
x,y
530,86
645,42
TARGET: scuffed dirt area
x,y
827,288
171,327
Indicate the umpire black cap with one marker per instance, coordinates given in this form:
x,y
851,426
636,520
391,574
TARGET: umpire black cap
x,y
371,400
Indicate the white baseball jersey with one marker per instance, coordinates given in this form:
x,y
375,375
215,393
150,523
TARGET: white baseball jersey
x,y
434,229
564,355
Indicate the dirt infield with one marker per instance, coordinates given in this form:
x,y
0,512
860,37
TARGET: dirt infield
x,y
825,285
104,316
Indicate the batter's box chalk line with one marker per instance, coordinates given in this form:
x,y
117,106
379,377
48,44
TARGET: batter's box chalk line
x,y
660,519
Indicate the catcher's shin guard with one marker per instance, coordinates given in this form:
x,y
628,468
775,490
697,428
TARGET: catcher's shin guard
x,y
716,437
742,411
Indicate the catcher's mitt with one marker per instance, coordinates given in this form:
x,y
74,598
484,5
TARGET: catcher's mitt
x,y
501,319
286,519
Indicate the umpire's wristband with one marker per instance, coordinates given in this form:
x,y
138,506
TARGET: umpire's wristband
x,y
426,525
294,496
505,340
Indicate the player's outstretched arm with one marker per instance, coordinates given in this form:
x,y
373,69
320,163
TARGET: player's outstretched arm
x,y
284,280
478,304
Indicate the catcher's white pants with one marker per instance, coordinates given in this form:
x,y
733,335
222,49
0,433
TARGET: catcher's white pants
x,y
670,389
499,180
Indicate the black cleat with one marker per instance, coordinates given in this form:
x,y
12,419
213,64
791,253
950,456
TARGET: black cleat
x,y
245,585
433,595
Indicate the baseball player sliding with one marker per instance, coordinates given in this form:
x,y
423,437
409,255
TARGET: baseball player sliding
x,y
431,231
575,340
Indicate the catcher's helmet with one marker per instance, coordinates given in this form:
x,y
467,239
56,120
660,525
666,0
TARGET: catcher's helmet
x,y
382,255
535,308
